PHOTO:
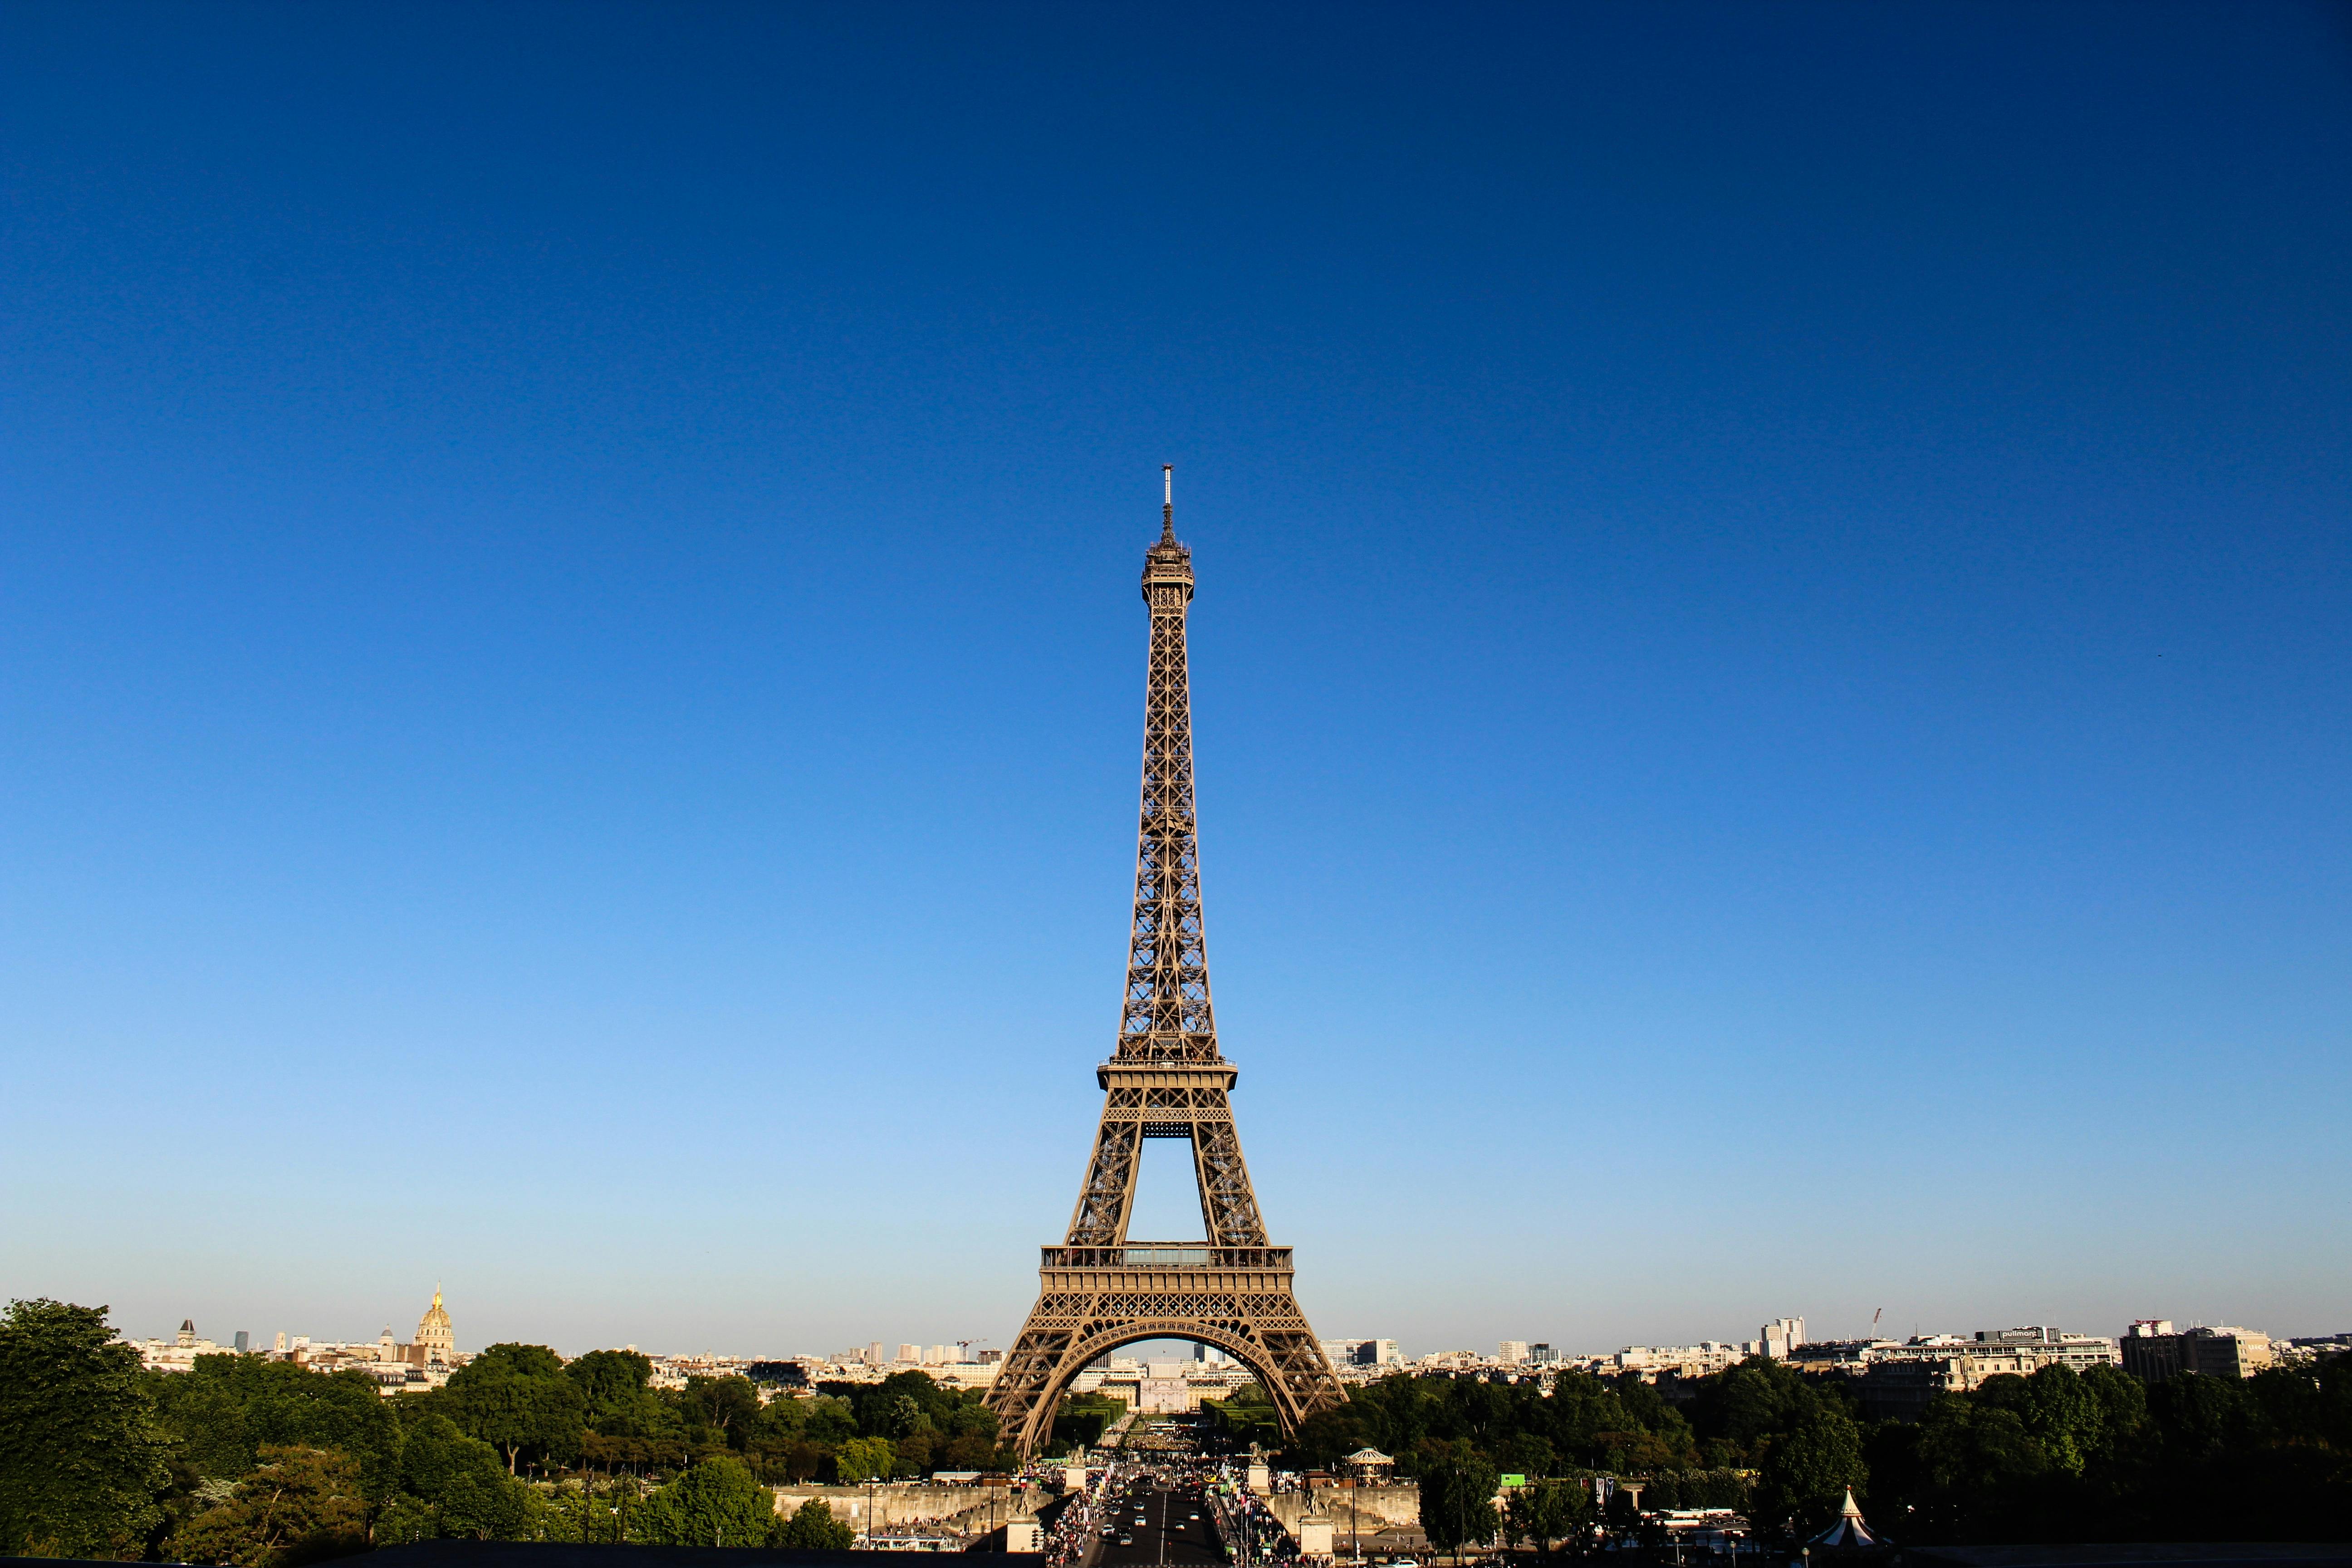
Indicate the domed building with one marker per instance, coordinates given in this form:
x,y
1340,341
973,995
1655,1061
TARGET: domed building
x,y
434,1341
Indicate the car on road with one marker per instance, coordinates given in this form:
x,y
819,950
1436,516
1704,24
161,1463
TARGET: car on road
x,y
1127,1541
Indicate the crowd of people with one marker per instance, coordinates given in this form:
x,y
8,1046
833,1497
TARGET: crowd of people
x,y
1247,1527
1075,1527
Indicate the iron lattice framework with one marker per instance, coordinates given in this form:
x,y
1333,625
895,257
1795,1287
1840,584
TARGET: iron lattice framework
x,y
1165,1080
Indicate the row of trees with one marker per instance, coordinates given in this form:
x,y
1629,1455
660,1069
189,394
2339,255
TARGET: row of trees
x,y
599,1412
267,1465
1082,1420
2059,1456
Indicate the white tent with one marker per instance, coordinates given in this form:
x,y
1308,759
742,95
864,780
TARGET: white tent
x,y
1849,1534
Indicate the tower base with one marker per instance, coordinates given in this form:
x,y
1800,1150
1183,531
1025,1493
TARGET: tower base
x,y
1093,1299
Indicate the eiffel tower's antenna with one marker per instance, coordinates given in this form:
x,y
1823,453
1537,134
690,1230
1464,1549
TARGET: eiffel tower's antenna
x,y
1168,506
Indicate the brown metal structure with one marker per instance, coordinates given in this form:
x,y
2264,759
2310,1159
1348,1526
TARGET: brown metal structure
x,y
1166,1080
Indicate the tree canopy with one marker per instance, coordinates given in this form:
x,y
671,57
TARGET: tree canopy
x,y
2058,1456
299,1505
812,1527
81,1458
517,1398
717,1503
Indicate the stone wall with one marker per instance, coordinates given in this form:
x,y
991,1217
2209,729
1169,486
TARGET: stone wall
x,y
1371,1507
970,1510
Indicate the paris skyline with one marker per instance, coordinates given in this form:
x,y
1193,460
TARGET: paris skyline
x,y
1768,679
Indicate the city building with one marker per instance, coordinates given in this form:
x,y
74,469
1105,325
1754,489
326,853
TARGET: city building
x,y
968,1374
1163,1390
433,1339
2048,1344
1781,1336
178,1353
1701,1360
1511,1352
672,1371
2153,1351
433,1353
2313,1344
1896,1378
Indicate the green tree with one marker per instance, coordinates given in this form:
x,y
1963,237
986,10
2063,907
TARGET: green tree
x,y
2201,1417
811,1528
463,1491
302,1505
865,1459
1326,1438
1977,1472
2061,1410
2123,1407
715,1503
1749,1405
1245,1416
1806,1471
879,1409
2306,1400
1526,1454
1457,1495
1083,1416
974,1452
828,1421
81,1459
728,1407
517,1399
227,1408
1546,1512
619,1403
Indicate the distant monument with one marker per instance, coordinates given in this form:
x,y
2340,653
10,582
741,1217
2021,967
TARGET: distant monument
x,y
433,1339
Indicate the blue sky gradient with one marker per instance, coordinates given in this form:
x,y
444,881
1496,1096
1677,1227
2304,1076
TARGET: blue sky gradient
x,y
1770,672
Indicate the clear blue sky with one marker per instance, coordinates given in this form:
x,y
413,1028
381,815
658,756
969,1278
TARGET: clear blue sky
x,y
1770,671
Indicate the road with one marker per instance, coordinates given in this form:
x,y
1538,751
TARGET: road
x,y
1182,1540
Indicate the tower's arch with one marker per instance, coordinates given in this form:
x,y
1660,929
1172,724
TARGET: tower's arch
x,y
1094,1347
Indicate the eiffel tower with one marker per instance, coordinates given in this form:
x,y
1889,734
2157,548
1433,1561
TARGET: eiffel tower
x,y
1098,1290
